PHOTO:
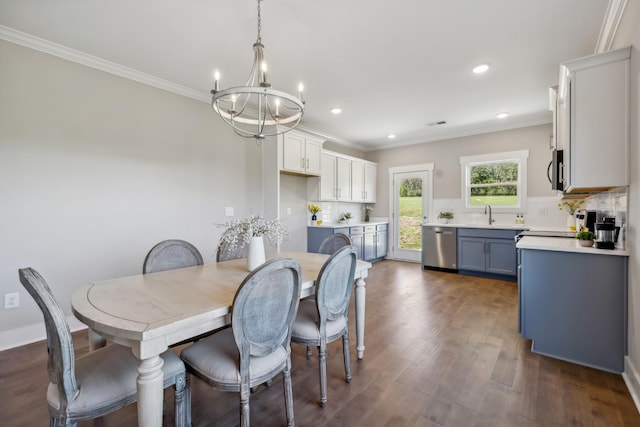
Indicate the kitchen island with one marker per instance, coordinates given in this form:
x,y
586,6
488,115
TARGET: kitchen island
x,y
573,301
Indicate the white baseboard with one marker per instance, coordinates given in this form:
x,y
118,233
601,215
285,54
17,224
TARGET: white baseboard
x,y
32,333
631,377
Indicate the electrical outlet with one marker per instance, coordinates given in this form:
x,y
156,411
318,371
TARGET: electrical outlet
x,y
12,300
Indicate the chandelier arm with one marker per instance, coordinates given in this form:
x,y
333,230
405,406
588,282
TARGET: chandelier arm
x,y
258,58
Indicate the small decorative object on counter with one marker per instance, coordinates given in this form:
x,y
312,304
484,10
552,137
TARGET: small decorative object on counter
x,y
345,217
445,216
314,209
571,208
585,237
367,212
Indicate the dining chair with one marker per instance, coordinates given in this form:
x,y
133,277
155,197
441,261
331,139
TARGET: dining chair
x,y
257,346
324,319
100,382
170,254
332,243
225,253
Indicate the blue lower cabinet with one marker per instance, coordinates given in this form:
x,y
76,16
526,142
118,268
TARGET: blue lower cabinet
x,y
370,241
573,306
316,235
487,252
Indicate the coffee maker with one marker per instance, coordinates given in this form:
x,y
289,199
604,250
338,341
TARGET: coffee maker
x,y
607,233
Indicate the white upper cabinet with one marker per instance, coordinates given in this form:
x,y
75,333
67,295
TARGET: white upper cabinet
x,y
370,185
593,121
300,153
335,180
357,180
363,181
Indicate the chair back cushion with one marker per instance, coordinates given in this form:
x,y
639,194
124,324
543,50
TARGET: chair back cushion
x,y
264,308
170,254
334,284
333,243
59,342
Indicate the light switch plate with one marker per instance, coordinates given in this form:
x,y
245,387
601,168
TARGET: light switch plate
x,y
12,300
228,211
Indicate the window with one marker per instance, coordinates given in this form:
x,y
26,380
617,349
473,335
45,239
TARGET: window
x,y
498,179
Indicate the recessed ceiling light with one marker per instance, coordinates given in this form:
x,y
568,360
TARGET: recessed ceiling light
x,y
391,136
336,110
479,69
502,115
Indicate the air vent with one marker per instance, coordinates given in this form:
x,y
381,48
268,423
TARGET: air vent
x,y
438,123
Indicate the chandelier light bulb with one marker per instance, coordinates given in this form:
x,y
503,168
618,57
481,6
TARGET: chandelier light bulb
x,y
278,108
216,80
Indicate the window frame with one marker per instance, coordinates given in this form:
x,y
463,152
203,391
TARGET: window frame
x,y
520,157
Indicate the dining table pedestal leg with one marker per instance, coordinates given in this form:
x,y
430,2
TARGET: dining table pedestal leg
x,y
150,392
360,304
96,341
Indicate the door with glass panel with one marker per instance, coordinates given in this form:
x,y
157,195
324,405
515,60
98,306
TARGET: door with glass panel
x,y
411,196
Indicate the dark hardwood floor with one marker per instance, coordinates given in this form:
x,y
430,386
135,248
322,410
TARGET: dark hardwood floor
x,y
441,350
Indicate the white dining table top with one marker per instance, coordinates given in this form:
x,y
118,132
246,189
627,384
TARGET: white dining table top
x,y
152,311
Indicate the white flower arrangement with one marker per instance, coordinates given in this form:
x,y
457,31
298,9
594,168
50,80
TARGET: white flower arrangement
x,y
239,231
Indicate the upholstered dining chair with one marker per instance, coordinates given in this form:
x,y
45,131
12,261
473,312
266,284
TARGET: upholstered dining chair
x,y
332,243
100,382
225,253
170,254
324,319
257,346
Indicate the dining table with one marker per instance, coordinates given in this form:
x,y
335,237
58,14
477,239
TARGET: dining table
x,y
150,312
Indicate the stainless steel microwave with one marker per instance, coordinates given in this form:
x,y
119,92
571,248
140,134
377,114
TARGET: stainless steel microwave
x,y
555,171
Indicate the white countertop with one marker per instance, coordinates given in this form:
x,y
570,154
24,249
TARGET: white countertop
x,y
499,226
492,226
563,244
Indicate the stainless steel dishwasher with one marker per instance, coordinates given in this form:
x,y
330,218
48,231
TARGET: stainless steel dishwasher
x,y
439,247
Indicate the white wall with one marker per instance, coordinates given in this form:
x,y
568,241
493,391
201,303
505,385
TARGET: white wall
x,y
95,169
629,34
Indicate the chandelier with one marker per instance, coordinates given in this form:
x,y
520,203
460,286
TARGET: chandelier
x,y
256,110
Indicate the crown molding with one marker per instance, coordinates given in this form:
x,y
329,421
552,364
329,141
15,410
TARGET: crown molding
x,y
612,18
42,45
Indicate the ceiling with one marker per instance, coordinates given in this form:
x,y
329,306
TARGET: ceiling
x,y
393,66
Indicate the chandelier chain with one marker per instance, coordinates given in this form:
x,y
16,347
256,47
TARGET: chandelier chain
x,y
259,40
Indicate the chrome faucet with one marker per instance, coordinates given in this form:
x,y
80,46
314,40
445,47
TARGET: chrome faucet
x,y
491,220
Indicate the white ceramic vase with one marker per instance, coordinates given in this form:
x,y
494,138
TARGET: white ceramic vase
x,y
255,252
571,222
